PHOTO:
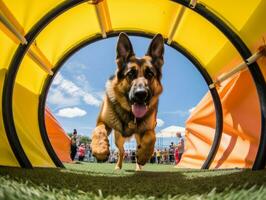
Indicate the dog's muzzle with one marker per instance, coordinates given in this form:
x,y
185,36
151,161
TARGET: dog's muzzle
x,y
139,97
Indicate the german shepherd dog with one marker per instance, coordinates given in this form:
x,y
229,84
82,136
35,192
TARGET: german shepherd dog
x,y
131,102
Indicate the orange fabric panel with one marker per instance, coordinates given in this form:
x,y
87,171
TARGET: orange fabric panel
x,y
58,137
241,128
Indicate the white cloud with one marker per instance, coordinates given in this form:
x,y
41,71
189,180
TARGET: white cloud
x,y
160,122
81,80
101,94
90,99
76,71
173,128
71,112
68,92
171,131
191,109
180,113
58,79
56,97
74,65
87,127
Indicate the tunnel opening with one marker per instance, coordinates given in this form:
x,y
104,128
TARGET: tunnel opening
x,y
207,14
176,62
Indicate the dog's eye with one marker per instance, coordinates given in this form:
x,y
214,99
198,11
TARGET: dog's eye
x,y
149,74
132,74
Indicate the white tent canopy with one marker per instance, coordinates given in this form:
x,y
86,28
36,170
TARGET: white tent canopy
x,y
170,132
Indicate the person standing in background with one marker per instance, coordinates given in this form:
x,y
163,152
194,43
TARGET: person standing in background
x,y
73,144
165,156
81,152
180,145
158,155
171,152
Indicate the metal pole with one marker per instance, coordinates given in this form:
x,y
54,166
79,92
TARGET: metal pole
x,y
12,28
175,25
240,67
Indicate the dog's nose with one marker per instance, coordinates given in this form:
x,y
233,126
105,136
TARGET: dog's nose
x,y
141,95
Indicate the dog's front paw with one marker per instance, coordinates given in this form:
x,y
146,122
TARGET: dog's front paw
x,y
117,168
138,167
100,144
143,155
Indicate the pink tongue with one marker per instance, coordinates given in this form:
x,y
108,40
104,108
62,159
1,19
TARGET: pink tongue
x,y
139,110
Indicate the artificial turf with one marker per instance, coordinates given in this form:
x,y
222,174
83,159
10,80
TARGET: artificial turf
x,y
101,181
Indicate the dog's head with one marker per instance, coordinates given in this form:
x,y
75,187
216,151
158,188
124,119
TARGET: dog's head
x,y
139,79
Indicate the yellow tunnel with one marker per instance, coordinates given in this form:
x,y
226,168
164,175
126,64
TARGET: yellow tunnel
x,y
36,37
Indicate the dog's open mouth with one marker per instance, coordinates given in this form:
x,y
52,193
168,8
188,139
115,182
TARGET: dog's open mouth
x,y
139,110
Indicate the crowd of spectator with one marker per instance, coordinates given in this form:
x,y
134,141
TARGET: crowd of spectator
x,y
169,155
160,156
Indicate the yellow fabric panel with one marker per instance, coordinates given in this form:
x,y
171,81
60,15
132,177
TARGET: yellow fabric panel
x,y
28,12
200,37
149,15
30,75
225,59
254,31
29,82
25,111
250,30
236,12
7,158
67,30
7,50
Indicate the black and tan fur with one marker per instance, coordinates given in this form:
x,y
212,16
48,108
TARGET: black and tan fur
x,y
116,111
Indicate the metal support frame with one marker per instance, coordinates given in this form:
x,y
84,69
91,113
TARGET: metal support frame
x,y
242,66
7,19
193,4
94,1
176,24
103,17
38,57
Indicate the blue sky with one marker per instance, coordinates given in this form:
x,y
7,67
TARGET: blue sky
x,y
76,93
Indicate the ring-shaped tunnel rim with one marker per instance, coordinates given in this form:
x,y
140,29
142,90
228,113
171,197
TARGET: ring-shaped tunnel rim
x,y
40,25
207,78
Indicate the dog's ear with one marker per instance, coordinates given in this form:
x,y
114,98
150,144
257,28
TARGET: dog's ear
x,y
156,48
124,49
156,51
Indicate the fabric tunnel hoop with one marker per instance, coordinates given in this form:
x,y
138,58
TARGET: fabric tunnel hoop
x,y
9,82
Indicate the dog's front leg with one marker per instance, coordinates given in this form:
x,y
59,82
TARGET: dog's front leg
x,y
145,146
119,141
100,142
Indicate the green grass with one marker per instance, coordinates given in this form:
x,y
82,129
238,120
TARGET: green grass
x,y
100,181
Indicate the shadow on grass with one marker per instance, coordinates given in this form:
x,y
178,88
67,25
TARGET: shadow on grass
x,y
140,183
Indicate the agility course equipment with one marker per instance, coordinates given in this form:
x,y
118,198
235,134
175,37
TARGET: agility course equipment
x,y
37,37
241,125
60,141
